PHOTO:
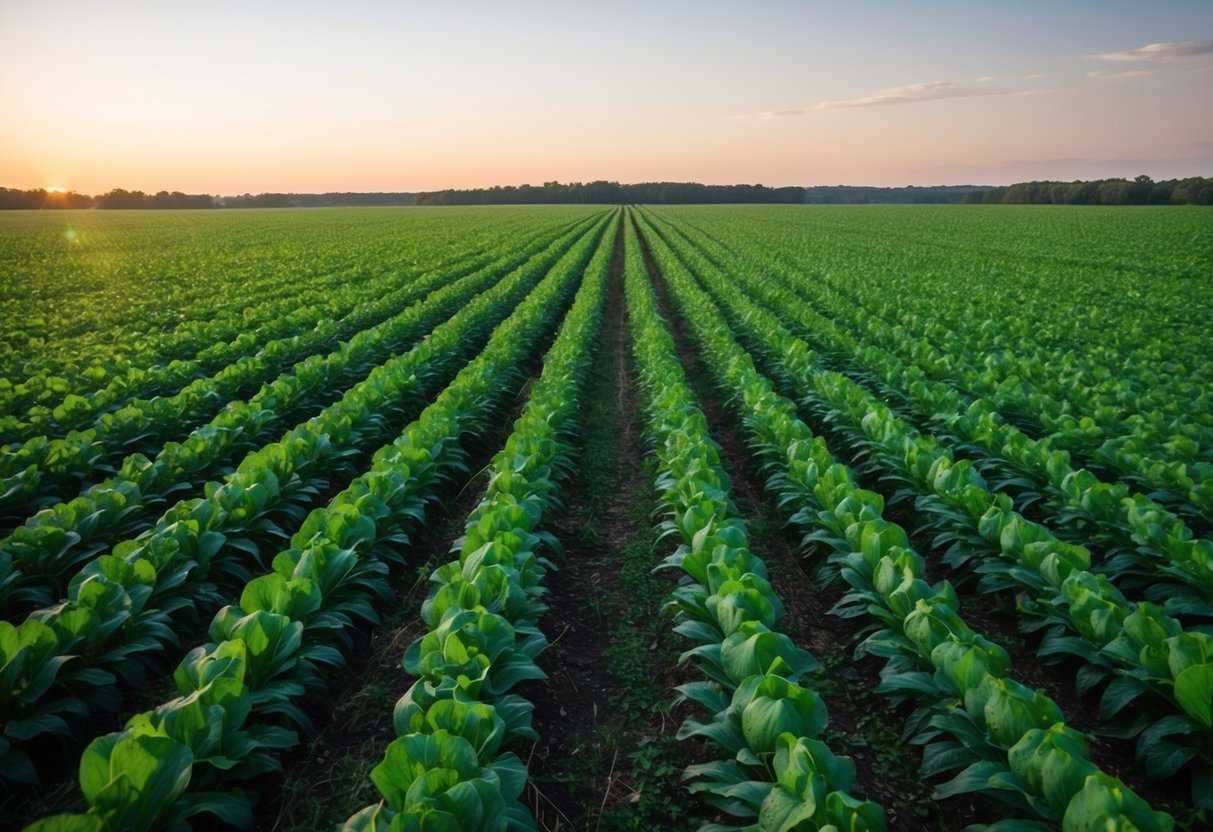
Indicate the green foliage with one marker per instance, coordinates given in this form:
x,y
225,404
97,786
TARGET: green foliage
x,y
262,662
1044,416
119,608
728,607
971,712
445,771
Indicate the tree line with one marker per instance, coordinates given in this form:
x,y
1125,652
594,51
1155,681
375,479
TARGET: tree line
x,y
35,199
1141,190
911,194
602,192
329,200
40,198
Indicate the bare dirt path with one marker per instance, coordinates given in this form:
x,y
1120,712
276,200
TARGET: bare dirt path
x,y
607,758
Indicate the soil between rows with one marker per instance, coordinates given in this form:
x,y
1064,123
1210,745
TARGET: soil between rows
x,y
606,758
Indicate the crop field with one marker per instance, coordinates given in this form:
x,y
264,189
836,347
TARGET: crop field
x,y
597,519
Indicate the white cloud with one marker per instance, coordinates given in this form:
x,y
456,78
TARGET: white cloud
x,y
916,93
1173,51
1106,75
980,87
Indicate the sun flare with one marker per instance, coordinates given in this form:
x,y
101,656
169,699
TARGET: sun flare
x,y
56,189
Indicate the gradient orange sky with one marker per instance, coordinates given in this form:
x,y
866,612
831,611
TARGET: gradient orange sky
x,y
233,97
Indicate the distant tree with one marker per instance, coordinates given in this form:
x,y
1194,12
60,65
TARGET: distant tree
x,y
1142,190
1160,194
1113,192
15,199
1138,191
1085,193
121,198
1193,191
39,199
858,195
601,191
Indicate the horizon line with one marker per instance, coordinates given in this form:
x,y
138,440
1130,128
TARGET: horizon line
x,y
64,190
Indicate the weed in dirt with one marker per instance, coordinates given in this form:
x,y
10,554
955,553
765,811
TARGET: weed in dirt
x,y
874,740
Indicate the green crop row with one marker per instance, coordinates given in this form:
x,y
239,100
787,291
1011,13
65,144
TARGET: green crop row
x,y
56,400
1158,674
57,540
1154,550
67,659
446,769
43,468
1009,741
140,305
779,774
240,691
1152,423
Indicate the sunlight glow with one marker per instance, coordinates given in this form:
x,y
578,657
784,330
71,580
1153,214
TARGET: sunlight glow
x,y
784,92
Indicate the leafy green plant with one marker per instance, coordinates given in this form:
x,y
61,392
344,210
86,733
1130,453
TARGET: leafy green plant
x,y
119,608
972,713
54,542
274,656
729,608
482,614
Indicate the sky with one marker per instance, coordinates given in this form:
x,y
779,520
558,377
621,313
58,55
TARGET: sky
x,y
252,96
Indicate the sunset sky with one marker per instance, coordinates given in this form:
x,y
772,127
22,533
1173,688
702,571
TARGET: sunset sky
x,y
231,97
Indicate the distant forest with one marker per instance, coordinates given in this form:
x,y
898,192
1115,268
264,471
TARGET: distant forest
x,y
1141,190
119,198
649,193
